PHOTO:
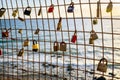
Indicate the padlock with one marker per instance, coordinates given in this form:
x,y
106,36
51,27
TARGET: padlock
x,y
71,7
2,11
59,25
98,9
56,46
101,78
27,11
26,43
51,8
91,41
95,21
109,7
102,65
37,31
35,46
63,46
74,38
15,12
21,52
20,31
39,12
93,35
21,19
5,33
0,51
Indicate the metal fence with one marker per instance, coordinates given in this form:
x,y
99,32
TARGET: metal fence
x,y
59,40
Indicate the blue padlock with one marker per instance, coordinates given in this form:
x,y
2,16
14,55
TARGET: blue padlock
x,y
27,11
71,7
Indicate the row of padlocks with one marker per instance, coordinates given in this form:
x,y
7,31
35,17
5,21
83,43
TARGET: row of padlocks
x,y
51,9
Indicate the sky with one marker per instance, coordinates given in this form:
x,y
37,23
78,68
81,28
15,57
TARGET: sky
x,y
22,4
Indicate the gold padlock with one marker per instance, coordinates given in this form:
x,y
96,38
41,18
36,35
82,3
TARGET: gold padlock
x,y
109,7
35,46
21,52
37,31
26,43
20,31
56,46
15,12
91,41
95,21
59,25
63,46
98,9
102,65
93,35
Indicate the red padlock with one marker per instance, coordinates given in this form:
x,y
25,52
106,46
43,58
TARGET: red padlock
x,y
5,34
0,51
51,8
74,38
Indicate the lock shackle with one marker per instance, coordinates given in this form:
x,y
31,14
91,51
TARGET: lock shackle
x,y
28,8
104,60
55,43
92,32
60,19
34,42
2,9
62,43
75,32
72,4
52,5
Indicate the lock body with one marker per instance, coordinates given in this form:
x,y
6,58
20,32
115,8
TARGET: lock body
x,y
91,41
102,65
56,46
74,39
21,19
35,46
0,51
27,11
20,31
15,12
5,34
109,7
70,9
21,52
95,21
26,43
51,8
59,25
93,35
37,31
2,11
62,46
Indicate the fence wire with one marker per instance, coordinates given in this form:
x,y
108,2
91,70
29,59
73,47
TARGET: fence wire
x,y
59,40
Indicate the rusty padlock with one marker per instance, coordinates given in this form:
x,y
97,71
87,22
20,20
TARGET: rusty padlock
x,y
93,35
39,12
56,46
2,11
15,12
27,11
102,65
91,41
51,8
37,31
59,25
0,51
71,7
74,37
63,46
109,7
21,52
95,21
26,42
21,19
98,9
20,31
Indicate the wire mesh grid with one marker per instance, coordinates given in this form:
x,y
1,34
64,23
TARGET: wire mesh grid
x,y
59,40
